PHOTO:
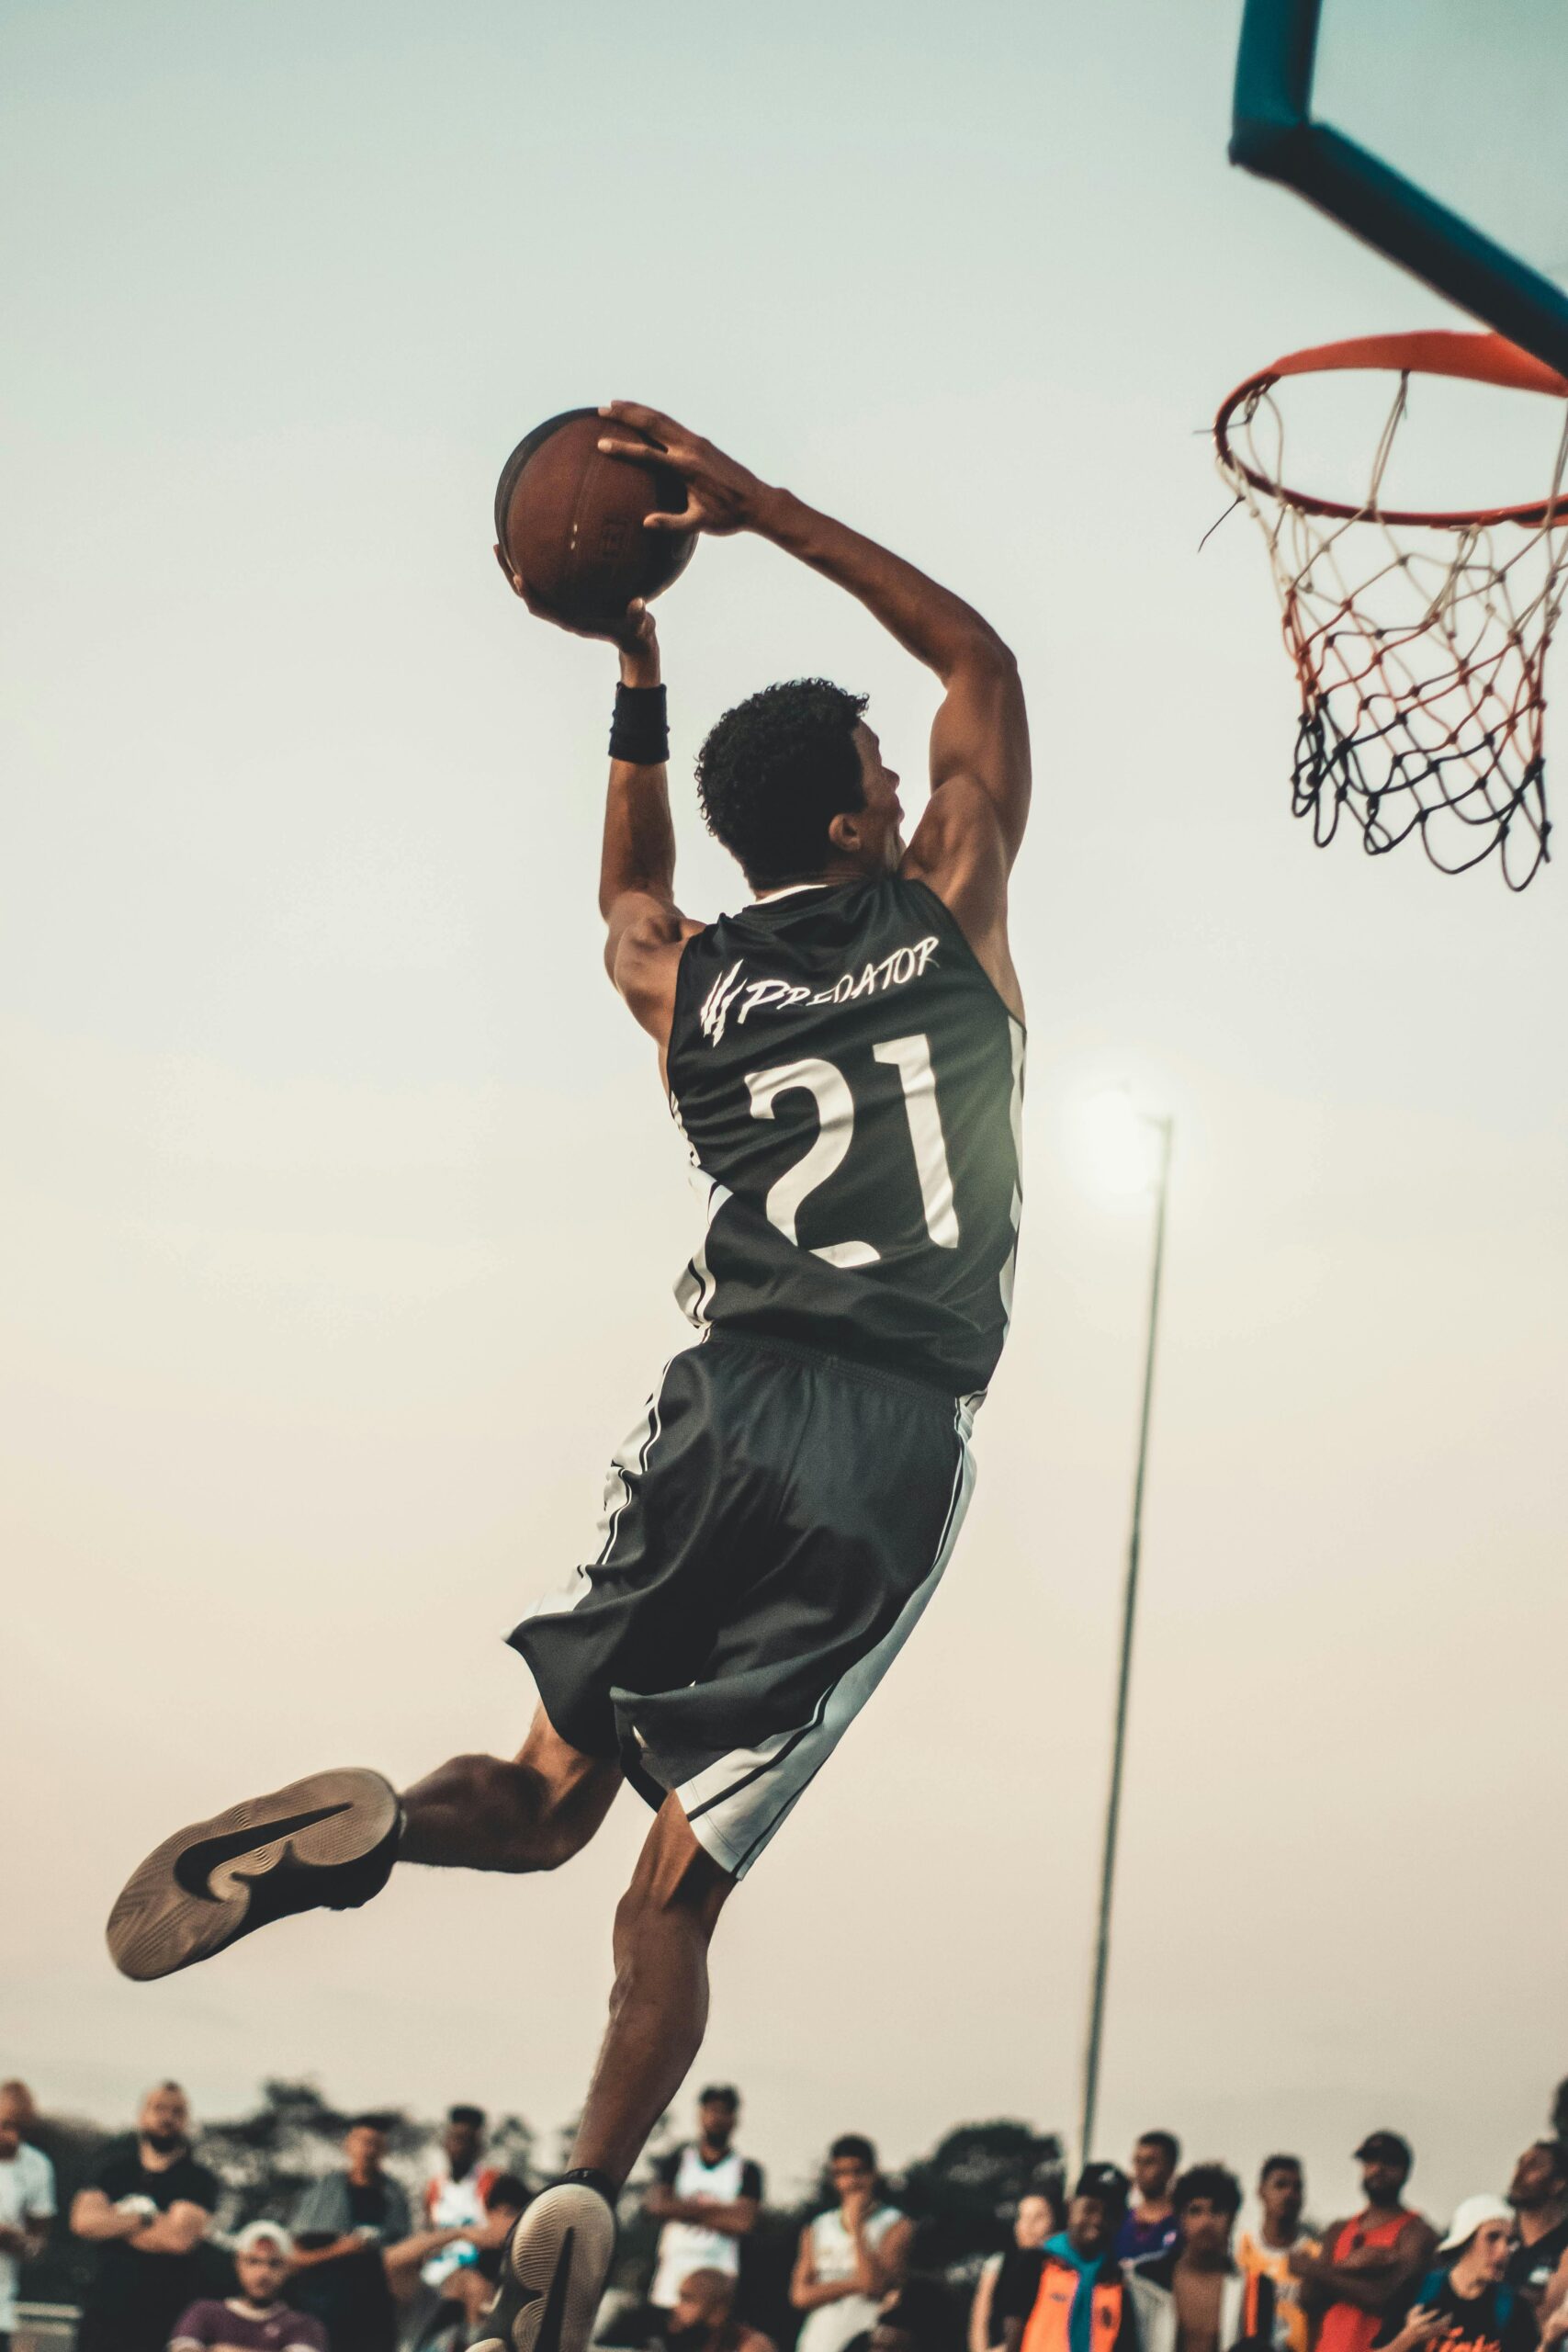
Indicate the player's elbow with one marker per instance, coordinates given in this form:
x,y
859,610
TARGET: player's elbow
x,y
985,654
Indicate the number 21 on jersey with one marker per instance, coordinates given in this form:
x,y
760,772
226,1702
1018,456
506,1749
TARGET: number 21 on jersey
x,y
912,1058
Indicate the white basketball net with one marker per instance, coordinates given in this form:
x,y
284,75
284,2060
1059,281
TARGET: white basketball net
x,y
1419,651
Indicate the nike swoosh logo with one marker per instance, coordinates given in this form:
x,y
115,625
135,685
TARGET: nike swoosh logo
x,y
197,1864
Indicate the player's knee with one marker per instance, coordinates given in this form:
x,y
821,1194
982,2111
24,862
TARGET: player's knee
x,y
675,1878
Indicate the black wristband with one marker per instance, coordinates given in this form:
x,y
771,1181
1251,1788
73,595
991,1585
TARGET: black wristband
x,y
641,731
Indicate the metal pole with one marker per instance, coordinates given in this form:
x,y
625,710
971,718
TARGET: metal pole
x,y
1129,1606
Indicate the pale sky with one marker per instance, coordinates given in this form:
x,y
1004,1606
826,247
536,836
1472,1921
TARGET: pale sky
x,y
341,1207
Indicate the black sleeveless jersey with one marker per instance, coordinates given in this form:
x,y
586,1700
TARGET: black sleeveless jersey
x,y
849,1084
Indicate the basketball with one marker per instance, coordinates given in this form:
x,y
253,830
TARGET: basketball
x,y
568,521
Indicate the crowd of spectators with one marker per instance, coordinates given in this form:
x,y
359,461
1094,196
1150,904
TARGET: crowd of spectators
x,y
1149,2259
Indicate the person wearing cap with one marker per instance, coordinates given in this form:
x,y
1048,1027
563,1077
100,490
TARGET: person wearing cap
x,y
1538,2196
707,2196
1367,2265
256,2319
1464,2303
1079,2299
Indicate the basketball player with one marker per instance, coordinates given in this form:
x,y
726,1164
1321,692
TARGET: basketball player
x,y
844,1059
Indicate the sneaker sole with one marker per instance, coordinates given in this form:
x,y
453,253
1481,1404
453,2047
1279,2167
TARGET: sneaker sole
x,y
559,2261
158,1925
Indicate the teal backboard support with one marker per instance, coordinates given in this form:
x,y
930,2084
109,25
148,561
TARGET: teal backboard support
x,y
1274,135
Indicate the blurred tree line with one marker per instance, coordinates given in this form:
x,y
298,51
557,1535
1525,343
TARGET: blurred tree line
x,y
960,2196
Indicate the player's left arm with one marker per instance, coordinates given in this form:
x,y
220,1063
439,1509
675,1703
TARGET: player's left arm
x,y
643,929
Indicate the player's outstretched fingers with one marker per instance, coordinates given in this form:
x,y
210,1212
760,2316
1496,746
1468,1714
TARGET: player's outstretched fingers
x,y
647,420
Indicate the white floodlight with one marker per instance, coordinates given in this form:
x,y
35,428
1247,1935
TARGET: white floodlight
x,y
1121,1144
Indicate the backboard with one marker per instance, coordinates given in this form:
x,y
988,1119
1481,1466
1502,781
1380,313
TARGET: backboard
x,y
1288,53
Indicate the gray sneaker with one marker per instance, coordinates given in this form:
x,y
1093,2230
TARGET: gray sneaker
x,y
327,1842
553,2273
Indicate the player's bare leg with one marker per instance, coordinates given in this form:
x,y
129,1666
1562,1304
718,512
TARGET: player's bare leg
x,y
559,2257
658,2008
480,1813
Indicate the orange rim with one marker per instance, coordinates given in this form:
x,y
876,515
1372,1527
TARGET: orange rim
x,y
1478,358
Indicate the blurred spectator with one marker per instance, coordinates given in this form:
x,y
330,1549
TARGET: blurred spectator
x,y
1274,2313
257,2319
1538,2196
1193,2297
469,2289
23,2104
850,2258
353,2238
27,2201
1149,2225
1077,2300
146,2208
701,2318
707,2195
1466,2304
456,2192
1369,2264
1035,2221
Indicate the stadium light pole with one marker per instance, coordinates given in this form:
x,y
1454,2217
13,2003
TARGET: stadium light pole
x,y
1138,1130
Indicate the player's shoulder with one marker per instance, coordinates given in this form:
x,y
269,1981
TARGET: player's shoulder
x,y
960,824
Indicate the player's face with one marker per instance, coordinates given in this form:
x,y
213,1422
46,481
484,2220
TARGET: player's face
x,y
1281,2196
880,824
1151,2169
262,2272
10,2128
1490,2249
461,2141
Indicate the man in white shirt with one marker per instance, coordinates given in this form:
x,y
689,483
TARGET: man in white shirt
x,y
707,2196
27,2202
457,2194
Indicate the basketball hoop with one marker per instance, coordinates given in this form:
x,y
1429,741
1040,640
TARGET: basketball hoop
x,y
1419,637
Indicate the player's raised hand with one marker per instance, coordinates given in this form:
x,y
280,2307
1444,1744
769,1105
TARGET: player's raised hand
x,y
721,497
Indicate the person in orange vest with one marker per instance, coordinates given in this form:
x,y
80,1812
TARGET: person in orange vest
x,y
1079,2300
1368,2265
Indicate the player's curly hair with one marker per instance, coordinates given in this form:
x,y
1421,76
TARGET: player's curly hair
x,y
773,773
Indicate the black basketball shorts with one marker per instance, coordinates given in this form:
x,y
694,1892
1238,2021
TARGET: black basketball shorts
x,y
773,1528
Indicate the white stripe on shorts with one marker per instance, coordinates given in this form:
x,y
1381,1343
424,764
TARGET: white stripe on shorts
x,y
738,1803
